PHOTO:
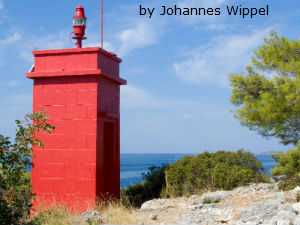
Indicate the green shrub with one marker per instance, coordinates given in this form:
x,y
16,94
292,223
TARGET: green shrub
x,y
150,188
227,177
289,183
211,200
220,170
15,158
194,174
288,164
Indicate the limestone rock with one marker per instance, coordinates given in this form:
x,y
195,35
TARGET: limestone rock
x,y
297,220
91,216
152,204
296,206
211,214
157,204
214,196
280,197
221,220
260,186
269,210
260,211
153,216
296,190
253,204
279,178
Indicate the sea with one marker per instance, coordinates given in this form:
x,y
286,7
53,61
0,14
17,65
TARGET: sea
x,y
134,165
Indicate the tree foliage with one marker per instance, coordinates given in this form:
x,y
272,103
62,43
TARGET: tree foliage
x,y
268,95
288,164
15,158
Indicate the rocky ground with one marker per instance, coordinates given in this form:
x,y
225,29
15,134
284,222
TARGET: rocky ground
x,y
250,205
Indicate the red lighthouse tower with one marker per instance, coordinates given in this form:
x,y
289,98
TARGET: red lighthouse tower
x,y
80,90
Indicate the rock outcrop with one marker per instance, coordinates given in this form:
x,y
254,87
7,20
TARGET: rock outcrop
x,y
250,205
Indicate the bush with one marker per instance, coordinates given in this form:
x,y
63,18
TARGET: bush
x,y
211,200
150,188
288,164
195,174
220,170
15,158
289,183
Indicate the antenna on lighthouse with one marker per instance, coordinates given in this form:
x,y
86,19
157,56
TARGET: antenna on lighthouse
x,y
102,24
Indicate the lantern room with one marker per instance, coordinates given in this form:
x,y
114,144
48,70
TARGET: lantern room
x,y
79,24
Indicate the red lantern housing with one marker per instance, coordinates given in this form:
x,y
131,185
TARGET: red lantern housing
x,y
79,24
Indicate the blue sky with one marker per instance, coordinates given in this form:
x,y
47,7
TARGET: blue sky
x,y
177,97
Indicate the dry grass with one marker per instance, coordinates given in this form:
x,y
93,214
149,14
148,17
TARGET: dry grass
x,y
55,215
111,212
115,213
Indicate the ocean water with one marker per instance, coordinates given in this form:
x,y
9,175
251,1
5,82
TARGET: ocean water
x,y
133,165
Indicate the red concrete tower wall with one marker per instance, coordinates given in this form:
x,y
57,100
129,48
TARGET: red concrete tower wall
x,y
80,91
